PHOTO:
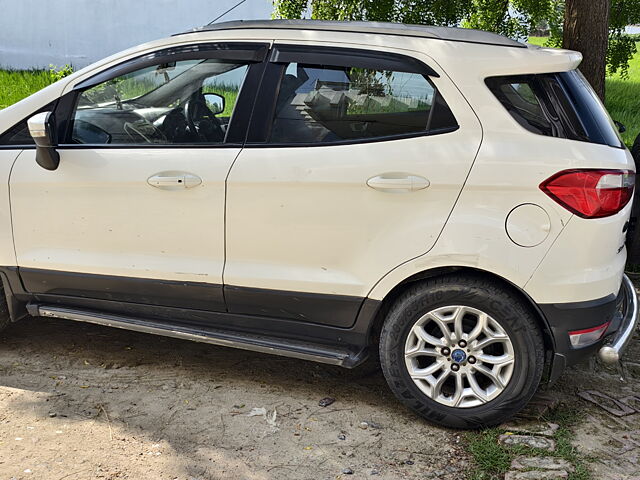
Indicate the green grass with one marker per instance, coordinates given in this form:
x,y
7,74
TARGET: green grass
x,y
492,460
18,84
622,96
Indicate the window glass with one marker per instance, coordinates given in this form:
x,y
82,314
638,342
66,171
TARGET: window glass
x,y
323,104
182,102
594,117
19,135
556,104
524,106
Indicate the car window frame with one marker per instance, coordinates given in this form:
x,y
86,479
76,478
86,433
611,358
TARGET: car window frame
x,y
282,54
253,53
557,110
49,107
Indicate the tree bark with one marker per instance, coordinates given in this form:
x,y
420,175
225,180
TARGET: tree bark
x,y
586,29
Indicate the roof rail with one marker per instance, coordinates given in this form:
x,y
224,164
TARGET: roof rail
x,y
383,28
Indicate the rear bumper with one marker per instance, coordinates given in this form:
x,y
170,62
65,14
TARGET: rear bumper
x,y
616,343
622,313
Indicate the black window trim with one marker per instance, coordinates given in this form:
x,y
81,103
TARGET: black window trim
x,y
281,55
250,52
349,57
551,106
359,141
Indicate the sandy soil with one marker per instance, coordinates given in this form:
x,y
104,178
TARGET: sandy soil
x,y
86,402
612,441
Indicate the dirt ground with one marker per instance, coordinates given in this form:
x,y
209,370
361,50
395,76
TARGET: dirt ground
x,y
611,438
80,401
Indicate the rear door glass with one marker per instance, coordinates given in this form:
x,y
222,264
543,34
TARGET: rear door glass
x,y
318,104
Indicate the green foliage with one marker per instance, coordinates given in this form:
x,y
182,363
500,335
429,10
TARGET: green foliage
x,y
58,73
436,12
622,97
18,84
622,47
289,8
515,18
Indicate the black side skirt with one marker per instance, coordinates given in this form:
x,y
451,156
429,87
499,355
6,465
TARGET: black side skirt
x,y
333,321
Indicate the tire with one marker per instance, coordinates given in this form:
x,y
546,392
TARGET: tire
x,y
465,297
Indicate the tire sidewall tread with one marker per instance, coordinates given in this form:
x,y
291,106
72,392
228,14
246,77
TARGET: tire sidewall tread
x,y
499,303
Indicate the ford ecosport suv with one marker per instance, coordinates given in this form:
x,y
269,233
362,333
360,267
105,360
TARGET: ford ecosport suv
x,y
448,201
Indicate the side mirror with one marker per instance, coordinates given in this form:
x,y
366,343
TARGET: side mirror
x,y
215,102
41,128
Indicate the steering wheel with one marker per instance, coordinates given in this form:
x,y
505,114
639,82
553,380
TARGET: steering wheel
x,y
202,122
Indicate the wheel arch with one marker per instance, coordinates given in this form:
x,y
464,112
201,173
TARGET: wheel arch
x,y
395,292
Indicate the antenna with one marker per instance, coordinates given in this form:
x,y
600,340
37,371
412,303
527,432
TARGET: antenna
x,y
232,8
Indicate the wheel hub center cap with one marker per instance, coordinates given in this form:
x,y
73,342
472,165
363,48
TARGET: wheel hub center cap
x,y
458,356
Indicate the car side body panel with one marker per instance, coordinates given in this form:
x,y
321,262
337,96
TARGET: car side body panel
x,y
97,213
473,235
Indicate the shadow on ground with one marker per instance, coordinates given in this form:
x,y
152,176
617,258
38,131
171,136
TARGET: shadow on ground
x,y
83,401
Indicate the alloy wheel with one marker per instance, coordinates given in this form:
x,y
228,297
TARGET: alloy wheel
x,y
459,356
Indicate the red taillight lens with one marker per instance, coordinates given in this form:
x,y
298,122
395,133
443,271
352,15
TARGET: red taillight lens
x,y
589,336
591,193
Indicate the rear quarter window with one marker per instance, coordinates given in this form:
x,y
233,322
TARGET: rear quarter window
x,y
561,105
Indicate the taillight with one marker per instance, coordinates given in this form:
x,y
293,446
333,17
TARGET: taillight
x,y
588,336
591,193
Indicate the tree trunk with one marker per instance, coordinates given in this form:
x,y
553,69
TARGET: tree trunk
x,y
586,29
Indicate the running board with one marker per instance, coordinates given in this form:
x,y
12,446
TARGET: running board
x,y
244,341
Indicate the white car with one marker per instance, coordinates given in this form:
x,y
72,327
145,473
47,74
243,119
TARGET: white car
x,y
450,200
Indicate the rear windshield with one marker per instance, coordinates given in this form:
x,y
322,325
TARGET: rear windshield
x,y
556,105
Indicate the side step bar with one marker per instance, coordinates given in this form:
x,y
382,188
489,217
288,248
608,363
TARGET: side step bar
x,y
245,341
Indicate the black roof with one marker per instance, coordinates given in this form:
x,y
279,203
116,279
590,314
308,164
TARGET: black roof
x,y
385,28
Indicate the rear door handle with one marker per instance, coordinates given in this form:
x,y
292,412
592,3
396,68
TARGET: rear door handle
x,y
398,182
174,180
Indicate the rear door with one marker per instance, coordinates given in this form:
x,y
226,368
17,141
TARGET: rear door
x,y
353,162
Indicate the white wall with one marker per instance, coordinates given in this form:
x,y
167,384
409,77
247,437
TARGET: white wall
x,y
37,33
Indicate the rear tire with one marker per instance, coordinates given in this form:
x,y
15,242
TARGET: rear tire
x,y
491,361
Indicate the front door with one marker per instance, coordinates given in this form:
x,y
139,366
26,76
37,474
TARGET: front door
x,y
135,211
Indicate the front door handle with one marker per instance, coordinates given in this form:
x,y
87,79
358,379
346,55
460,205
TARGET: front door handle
x,y
398,182
174,180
